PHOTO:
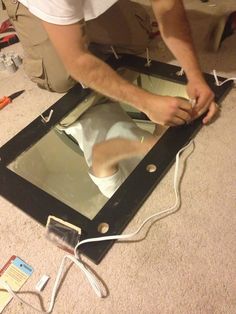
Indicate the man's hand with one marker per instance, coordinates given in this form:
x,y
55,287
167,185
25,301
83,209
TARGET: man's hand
x,y
198,90
167,110
175,31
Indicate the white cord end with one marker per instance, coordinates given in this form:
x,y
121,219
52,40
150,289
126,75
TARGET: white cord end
x,y
114,52
149,61
48,118
216,78
193,102
180,72
42,283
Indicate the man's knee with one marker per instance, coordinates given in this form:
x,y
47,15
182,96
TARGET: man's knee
x,y
61,85
41,62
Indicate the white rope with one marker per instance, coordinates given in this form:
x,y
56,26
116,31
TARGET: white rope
x,y
180,72
94,281
218,83
48,118
149,60
114,52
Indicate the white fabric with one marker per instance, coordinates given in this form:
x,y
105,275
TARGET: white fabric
x,y
108,185
100,123
65,12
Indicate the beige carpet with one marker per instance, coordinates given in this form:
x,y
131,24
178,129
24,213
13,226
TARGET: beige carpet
x,y
187,262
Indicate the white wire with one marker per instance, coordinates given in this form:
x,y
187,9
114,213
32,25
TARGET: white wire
x,y
48,118
149,60
218,83
94,281
180,72
114,52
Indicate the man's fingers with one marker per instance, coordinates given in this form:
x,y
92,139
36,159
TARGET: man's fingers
x,y
176,121
185,111
213,109
186,106
184,116
203,110
203,102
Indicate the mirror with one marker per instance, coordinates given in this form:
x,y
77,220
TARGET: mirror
x,y
55,169
84,159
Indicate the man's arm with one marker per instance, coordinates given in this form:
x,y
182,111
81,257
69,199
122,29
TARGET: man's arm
x,y
175,31
70,43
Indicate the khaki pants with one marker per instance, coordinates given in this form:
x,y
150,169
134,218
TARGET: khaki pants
x,y
125,27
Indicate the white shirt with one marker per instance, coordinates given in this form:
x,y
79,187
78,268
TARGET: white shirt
x,y
65,12
103,122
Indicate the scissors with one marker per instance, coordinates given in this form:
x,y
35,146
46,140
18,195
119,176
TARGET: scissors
x,y
8,99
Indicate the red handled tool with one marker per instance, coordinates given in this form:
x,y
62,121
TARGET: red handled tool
x,y
8,40
6,26
8,99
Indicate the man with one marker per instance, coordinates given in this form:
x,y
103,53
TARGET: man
x,y
64,23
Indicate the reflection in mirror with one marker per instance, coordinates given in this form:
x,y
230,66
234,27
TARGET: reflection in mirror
x,y
85,158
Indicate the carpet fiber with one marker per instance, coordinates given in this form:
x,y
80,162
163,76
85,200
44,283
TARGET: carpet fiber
x,y
183,264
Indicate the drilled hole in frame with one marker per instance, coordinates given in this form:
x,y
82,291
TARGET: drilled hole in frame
x,y
151,168
103,227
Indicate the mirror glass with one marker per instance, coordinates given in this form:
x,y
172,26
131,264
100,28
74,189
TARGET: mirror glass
x,y
83,159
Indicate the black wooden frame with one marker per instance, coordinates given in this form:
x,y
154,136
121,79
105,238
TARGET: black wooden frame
x,y
123,205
